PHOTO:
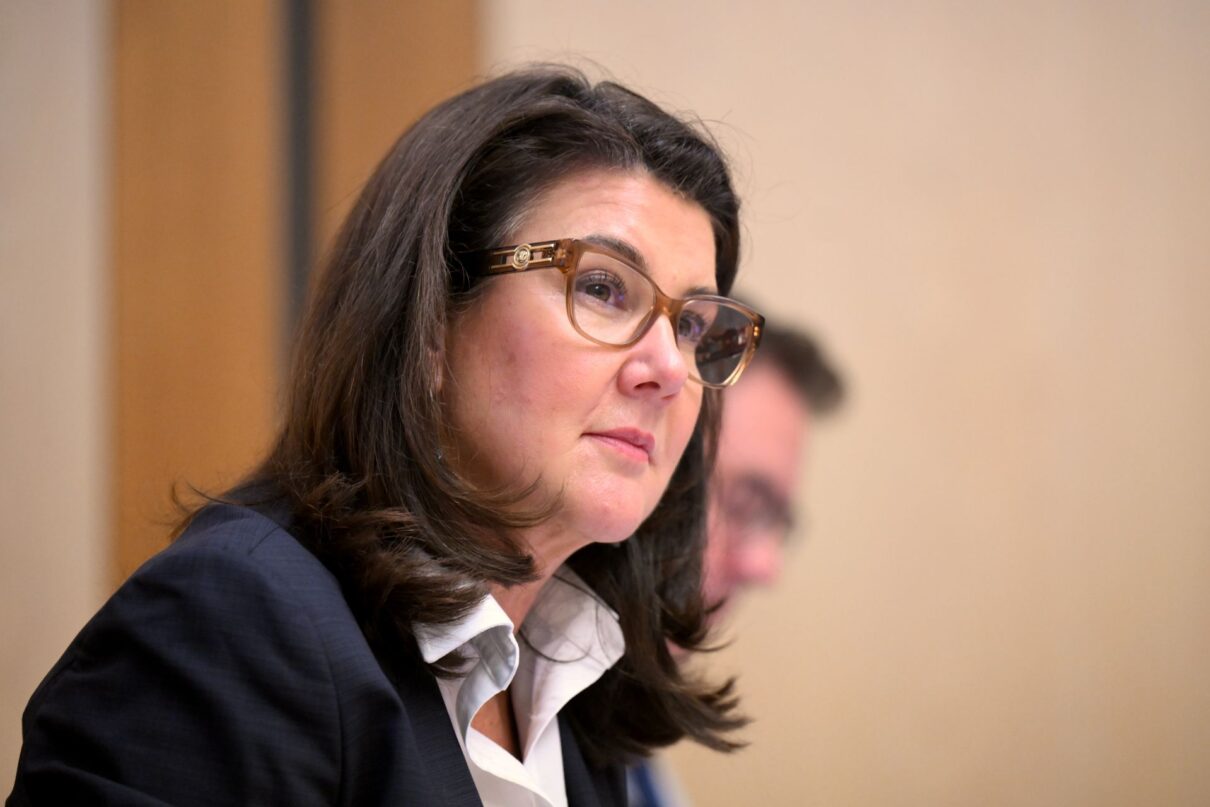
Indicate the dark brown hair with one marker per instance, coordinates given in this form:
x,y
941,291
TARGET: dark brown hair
x,y
358,461
799,357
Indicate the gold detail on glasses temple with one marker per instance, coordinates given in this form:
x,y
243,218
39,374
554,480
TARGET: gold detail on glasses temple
x,y
521,257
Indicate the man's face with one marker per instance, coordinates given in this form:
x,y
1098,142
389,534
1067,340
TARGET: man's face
x,y
764,434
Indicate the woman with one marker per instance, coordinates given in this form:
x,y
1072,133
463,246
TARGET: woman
x,y
502,405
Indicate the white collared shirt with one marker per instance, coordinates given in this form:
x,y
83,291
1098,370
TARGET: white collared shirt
x,y
571,639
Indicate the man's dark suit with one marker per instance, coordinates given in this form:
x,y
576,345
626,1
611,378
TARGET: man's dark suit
x,y
229,670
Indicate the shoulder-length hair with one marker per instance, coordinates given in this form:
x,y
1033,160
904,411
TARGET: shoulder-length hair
x,y
358,460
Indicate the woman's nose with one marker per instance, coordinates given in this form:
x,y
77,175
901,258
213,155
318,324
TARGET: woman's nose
x,y
655,365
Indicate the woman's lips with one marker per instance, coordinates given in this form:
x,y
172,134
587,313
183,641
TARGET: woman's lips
x,y
632,443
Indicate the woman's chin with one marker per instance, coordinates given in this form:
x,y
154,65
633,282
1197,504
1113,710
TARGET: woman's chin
x,y
625,531
608,527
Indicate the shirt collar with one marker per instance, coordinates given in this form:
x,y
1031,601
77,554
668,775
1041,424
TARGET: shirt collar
x,y
566,618
569,639
438,641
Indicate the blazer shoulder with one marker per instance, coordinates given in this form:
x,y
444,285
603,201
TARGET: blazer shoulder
x,y
204,679
224,543
237,530
229,669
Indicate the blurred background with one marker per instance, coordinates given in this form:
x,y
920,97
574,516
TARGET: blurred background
x,y
996,215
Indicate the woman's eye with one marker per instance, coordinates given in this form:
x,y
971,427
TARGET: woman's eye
x,y
603,287
690,326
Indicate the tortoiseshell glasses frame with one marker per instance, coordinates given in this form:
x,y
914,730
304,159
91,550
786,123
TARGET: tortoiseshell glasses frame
x,y
718,335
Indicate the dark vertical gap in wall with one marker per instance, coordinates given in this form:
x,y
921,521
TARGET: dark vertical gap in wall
x,y
300,162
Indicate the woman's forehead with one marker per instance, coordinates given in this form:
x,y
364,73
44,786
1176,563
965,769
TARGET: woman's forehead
x,y
663,233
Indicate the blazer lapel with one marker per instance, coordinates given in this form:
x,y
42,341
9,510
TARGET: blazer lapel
x,y
588,786
436,741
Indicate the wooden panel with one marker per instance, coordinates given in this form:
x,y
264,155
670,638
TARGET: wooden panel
x,y
379,66
197,237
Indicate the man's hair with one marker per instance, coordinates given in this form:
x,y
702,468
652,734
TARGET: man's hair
x,y
358,462
798,356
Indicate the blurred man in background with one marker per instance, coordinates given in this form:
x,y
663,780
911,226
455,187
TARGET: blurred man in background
x,y
768,420
765,437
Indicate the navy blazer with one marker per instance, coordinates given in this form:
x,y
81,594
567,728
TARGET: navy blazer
x,y
230,670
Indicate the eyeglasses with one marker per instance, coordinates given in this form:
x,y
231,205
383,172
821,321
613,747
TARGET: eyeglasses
x,y
610,301
750,505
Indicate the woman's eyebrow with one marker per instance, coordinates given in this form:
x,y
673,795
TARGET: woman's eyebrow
x,y
628,251
624,248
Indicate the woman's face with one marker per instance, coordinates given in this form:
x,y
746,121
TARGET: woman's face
x,y
530,398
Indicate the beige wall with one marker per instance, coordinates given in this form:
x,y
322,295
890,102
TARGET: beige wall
x,y
53,326
996,216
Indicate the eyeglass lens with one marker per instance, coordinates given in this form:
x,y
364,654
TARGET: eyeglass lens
x,y
611,302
